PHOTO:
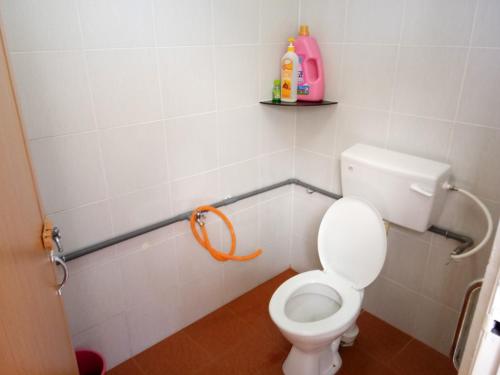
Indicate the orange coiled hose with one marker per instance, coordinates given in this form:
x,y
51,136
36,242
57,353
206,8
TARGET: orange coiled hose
x,y
204,241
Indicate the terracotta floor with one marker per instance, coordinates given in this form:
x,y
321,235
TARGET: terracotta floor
x,y
240,338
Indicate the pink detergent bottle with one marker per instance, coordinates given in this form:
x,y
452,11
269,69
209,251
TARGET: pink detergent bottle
x,y
311,80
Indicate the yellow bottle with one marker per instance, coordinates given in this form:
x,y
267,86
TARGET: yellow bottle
x,y
289,74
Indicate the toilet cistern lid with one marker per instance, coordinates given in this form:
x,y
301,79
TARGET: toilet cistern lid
x,y
352,241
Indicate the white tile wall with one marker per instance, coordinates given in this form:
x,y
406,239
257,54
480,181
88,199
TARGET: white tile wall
x,y
43,79
69,171
131,26
438,22
48,25
236,21
371,21
428,81
411,76
367,75
187,80
135,120
124,84
134,157
487,28
234,87
192,145
172,28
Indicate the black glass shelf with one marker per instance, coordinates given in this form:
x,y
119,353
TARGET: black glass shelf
x,y
298,104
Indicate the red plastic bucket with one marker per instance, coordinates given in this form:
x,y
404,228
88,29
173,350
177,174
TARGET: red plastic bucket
x,y
90,362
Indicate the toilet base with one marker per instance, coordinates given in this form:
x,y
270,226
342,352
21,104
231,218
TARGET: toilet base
x,y
324,361
349,336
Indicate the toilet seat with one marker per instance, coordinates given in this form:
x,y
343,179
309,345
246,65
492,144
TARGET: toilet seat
x,y
350,304
352,248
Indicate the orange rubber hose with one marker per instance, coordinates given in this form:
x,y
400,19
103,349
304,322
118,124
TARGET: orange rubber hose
x,y
204,241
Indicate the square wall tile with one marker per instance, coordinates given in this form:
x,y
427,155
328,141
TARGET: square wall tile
x,y
200,297
371,21
308,211
192,144
420,136
173,27
316,129
236,21
84,226
193,91
428,81
240,178
191,192
405,260
368,75
275,224
279,20
43,79
110,338
93,295
69,171
125,86
40,25
134,157
315,169
276,167
392,303
435,324
116,23
233,90
239,134
358,125
304,255
153,321
277,128
487,28
325,19
480,102
149,274
140,208
475,157
443,22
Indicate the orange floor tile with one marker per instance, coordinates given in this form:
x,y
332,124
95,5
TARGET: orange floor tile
x,y
240,339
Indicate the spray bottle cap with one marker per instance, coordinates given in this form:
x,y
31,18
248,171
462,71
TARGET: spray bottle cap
x,y
291,47
304,30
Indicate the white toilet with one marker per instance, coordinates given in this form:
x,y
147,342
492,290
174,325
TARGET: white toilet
x,y
314,309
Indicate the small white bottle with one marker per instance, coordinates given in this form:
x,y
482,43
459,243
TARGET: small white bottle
x,y
289,74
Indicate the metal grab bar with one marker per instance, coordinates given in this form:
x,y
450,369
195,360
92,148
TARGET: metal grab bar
x,y
464,240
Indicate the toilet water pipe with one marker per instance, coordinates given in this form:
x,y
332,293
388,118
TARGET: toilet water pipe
x,y
203,240
458,253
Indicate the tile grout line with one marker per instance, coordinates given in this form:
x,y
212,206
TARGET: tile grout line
x,y
395,77
451,137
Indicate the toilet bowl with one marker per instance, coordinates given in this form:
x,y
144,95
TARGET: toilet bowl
x,y
314,309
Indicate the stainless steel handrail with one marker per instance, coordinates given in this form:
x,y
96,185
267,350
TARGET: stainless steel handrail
x,y
464,240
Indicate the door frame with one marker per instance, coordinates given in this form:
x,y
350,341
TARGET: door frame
x,y
481,317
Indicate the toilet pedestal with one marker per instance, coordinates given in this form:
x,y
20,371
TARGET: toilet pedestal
x,y
325,361
349,336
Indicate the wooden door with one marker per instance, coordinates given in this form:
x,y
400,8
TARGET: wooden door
x,y
34,337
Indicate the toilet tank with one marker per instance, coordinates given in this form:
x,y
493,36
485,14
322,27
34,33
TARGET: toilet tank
x,y
407,190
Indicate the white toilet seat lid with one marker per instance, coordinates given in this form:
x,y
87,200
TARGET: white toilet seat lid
x,y
352,241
